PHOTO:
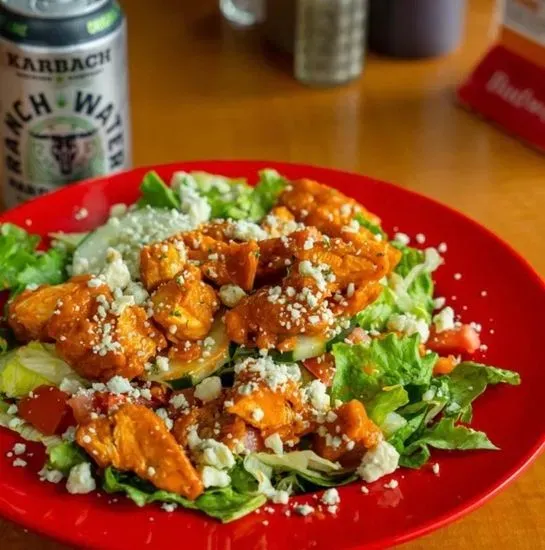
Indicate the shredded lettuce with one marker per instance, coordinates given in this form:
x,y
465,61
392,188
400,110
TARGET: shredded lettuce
x,y
302,470
363,370
27,367
225,504
409,289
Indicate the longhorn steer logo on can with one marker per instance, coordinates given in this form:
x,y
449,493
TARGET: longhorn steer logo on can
x,y
62,153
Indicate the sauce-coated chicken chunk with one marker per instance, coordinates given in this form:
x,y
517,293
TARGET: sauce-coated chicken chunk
x,y
135,439
185,306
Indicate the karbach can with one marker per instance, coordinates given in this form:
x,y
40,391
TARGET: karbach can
x,y
64,105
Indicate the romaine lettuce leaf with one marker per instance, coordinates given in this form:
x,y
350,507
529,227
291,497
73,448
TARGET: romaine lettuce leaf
x,y
156,193
17,250
48,268
372,227
234,198
27,367
225,504
22,265
363,370
385,402
415,289
376,315
444,434
266,192
469,380
64,456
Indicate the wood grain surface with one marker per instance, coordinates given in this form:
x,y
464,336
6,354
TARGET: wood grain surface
x,y
200,89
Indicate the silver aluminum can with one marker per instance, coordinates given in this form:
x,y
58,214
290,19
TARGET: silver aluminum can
x,y
64,105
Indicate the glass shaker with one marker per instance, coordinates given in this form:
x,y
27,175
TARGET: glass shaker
x,y
329,41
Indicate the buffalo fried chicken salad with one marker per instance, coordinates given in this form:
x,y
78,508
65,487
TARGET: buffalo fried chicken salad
x,y
216,346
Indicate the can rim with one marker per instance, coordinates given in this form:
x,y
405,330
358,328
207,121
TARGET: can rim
x,y
59,9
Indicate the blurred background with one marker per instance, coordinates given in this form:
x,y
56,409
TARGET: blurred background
x,y
204,88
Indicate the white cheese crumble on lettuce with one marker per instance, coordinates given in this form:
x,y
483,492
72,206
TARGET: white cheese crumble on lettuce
x,y
378,462
80,481
409,324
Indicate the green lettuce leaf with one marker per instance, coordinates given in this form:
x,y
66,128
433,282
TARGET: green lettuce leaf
x,y
372,227
65,456
67,241
386,402
225,504
363,370
23,265
48,268
469,380
417,282
266,192
234,198
17,250
27,367
447,435
157,194
376,315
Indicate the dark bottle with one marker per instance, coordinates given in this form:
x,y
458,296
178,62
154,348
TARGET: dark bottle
x,y
415,28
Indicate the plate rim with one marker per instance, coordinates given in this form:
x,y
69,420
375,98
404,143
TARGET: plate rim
x,y
37,525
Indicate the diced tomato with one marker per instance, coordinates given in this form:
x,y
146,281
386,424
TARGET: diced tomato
x,y
322,367
46,408
101,403
444,365
464,339
82,406
358,336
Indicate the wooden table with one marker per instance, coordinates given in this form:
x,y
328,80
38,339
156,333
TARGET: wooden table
x,y
203,90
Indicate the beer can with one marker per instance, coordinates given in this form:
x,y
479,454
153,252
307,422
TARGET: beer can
x,y
64,105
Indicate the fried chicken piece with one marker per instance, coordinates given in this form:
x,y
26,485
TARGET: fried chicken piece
x,y
160,262
361,434
322,206
135,439
328,278
101,345
358,261
333,213
272,314
30,311
185,306
210,420
223,262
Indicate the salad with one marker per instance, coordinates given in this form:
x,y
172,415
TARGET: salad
x,y
216,346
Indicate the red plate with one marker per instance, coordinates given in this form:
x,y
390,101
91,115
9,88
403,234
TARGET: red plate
x,y
510,313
